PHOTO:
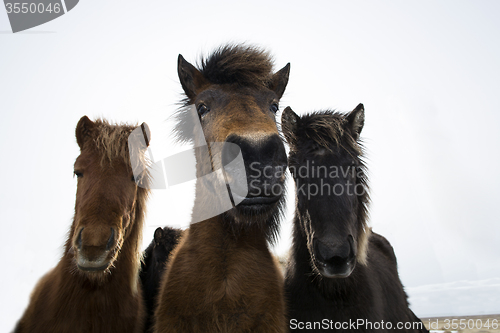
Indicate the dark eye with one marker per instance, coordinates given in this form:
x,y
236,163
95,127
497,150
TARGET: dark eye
x,y
203,109
78,174
132,178
274,107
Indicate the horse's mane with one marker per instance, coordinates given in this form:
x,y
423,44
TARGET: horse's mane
x,y
325,128
241,64
111,142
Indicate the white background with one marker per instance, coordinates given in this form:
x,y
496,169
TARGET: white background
x,y
427,72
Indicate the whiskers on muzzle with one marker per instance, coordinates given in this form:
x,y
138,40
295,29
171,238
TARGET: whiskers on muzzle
x,y
95,249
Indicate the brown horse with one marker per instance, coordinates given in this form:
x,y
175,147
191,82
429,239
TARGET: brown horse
x,y
222,277
95,287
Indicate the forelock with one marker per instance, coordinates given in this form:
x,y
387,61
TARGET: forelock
x,y
238,64
326,129
111,142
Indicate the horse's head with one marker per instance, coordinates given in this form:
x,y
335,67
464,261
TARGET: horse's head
x,y
164,241
325,161
107,195
234,97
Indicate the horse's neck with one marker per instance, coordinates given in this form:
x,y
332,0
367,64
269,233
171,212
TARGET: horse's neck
x,y
209,233
128,261
211,198
213,230
215,235
300,253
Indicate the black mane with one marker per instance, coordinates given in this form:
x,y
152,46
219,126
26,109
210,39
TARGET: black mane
x,y
324,128
241,64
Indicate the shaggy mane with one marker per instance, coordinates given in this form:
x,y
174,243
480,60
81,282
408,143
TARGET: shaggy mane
x,y
111,141
241,64
324,128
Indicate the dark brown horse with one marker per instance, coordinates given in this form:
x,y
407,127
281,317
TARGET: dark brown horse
x,y
222,277
340,272
154,262
95,287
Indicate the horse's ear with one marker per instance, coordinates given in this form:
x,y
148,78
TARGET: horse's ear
x,y
280,80
158,235
289,124
84,130
146,132
192,80
356,120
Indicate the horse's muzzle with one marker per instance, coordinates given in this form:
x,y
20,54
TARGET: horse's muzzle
x,y
334,260
263,165
90,255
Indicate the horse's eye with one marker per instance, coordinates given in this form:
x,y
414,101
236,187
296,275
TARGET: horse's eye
x,y
132,178
78,174
203,109
274,107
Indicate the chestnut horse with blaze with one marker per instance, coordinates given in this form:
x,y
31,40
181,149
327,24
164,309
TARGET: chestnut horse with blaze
x,y
95,287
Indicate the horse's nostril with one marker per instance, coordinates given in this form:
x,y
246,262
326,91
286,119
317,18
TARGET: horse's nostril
x,y
337,261
111,240
79,239
323,252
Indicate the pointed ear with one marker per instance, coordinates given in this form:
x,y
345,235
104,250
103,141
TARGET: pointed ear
x,y
280,80
289,124
83,130
356,120
158,235
146,132
192,80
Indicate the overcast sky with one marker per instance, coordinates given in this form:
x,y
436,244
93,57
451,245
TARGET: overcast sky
x,y
427,72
